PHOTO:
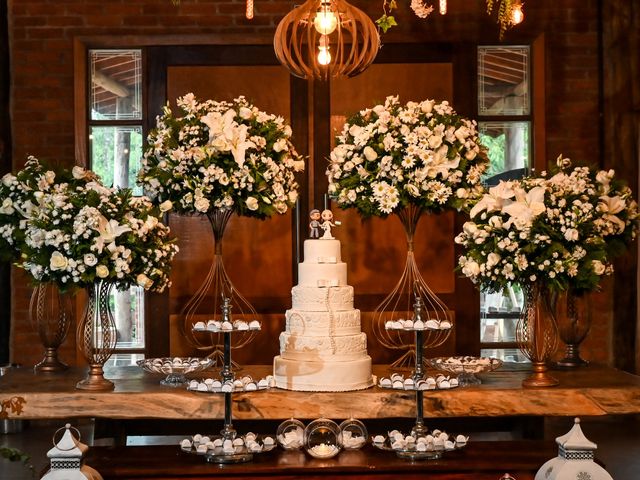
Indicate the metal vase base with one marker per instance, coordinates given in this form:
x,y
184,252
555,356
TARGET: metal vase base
x,y
572,358
540,377
50,363
95,381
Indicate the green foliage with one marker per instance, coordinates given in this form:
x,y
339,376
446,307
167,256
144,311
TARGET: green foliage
x,y
15,455
385,22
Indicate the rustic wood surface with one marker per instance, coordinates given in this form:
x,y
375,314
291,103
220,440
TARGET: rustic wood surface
x,y
479,460
589,391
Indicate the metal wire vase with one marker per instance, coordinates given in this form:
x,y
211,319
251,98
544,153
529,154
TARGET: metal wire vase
x,y
399,303
573,315
208,299
51,314
96,336
537,334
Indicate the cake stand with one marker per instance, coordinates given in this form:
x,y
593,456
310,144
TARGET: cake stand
x,y
466,367
409,449
240,451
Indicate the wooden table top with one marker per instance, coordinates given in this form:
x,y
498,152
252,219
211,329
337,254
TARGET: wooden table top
x,y
592,390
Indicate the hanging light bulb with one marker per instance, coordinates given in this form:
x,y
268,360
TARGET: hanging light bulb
x,y
324,56
517,14
325,20
443,7
249,12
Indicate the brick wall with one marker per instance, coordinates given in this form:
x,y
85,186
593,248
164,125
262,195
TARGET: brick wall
x,y
42,33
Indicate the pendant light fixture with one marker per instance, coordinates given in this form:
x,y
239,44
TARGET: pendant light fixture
x,y
326,38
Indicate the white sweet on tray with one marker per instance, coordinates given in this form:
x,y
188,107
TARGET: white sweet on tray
x,y
431,324
244,384
436,440
399,382
215,326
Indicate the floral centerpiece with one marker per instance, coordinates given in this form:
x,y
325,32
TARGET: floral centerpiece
x,y
562,229
410,159
83,234
392,155
555,235
221,155
218,158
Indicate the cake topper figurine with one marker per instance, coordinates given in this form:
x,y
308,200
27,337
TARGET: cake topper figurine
x,y
314,224
327,217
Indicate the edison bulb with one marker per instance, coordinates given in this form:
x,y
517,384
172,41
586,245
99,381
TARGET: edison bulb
x,y
443,7
517,15
324,56
325,21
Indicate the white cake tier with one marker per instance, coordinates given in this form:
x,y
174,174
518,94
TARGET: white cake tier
x,y
314,299
323,323
322,251
304,348
322,274
323,375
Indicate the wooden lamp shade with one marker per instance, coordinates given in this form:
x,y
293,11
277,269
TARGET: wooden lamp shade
x,y
348,46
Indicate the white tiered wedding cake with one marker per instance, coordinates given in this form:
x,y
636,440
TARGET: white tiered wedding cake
x,y
323,348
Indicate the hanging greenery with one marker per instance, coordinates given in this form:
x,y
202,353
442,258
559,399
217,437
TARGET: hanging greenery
x,y
505,12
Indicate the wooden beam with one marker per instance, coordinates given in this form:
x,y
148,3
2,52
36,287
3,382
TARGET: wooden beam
x,y
110,84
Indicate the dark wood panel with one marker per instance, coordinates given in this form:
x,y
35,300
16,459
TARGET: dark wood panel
x,y
482,460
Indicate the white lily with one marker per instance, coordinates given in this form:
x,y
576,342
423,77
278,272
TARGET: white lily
x,y
108,230
240,144
526,207
495,199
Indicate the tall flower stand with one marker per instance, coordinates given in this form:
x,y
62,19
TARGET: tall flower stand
x,y
217,285
51,313
398,305
537,335
96,336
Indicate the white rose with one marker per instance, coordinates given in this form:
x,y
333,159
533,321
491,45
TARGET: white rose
x,y
351,195
7,207
90,259
245,113
471,269
462,193
470,228
8,179
298,165
427,106
370,154
435,141
201,204
252,203
58,261
78,172
492,259
571,234
598,267
144,281
412,189
470,155
102,271
281,207
280,145
166,206
50,176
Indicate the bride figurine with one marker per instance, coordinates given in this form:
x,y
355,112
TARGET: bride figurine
x,y
327,217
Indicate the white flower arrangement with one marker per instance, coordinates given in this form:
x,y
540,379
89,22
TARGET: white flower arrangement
x,y
393,155
562,230
18,199
221,155
81,232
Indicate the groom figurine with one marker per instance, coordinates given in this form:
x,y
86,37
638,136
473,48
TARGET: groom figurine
x,y
314,225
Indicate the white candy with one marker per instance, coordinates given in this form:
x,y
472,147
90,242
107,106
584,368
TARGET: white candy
x,y
213,325
255,447
396,376
398,384
202,448
226,326
254,325
238,383
199,326
205,440
202,387
197,438
449,445
397,436
208,381
185,444
247,379
418,325
388,324
421,440
227,444
263,383
250,387
408,324
193,385
250,437
410,439
238,442
242,326
397,445
445,325
408,383
444,384
227,387
461,439
378,439
421,447
216,384
385,382
268,441
210,446
432,325
453,382
217,442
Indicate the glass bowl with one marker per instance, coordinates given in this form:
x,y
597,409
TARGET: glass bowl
x,y
290,434
323,438
466,367
174,368
354,434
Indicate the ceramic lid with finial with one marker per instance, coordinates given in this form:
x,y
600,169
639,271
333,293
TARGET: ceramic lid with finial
x,y
68,446
574,460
